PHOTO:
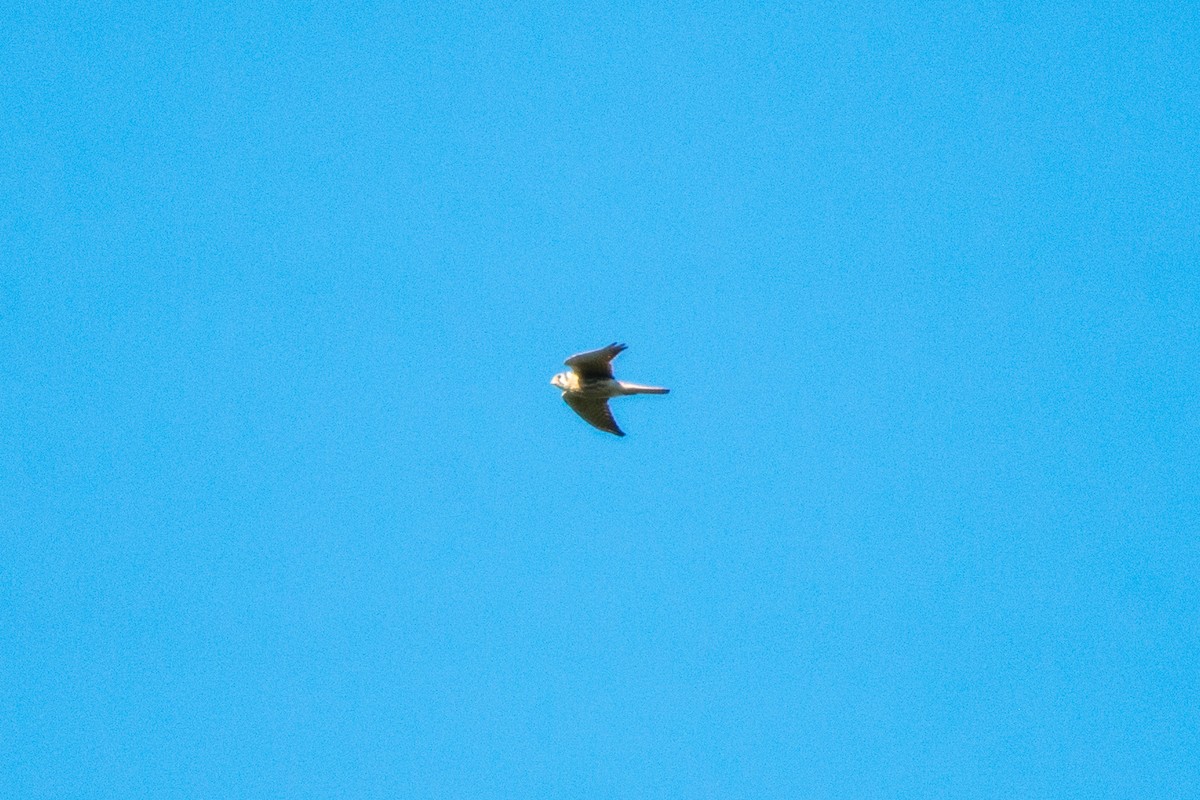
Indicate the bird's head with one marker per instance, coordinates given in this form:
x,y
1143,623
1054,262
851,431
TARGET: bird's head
x,y
559,380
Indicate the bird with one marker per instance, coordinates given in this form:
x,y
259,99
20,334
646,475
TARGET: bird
x,y
590,383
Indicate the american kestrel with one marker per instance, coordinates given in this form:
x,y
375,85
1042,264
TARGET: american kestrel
x,y
589,384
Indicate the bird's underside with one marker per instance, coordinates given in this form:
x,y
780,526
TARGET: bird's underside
x,y
589,385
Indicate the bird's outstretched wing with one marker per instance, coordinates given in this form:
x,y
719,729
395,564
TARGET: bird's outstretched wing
x,y
595,412
595,363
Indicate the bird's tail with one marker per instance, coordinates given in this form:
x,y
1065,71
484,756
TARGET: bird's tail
x,y
637,388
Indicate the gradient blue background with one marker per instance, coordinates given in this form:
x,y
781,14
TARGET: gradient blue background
x,y
289,509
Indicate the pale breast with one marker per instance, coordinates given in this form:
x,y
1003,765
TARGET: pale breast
x,y
598,388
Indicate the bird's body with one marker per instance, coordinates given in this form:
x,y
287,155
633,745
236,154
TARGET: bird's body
x,y
589,385
603,388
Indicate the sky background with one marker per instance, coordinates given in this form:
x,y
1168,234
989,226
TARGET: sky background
x,y
289,510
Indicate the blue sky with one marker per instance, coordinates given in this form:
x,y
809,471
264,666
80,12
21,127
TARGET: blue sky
x,y
289,509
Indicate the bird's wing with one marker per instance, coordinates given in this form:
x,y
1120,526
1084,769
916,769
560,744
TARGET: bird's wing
x,y
594,412
595,363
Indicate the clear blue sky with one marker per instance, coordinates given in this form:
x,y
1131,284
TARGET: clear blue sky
x,y
288,508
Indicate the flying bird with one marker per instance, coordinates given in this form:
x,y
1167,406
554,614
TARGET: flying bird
x,y
590,383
